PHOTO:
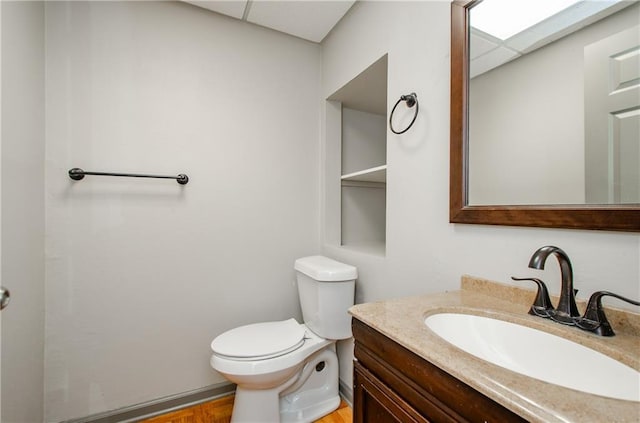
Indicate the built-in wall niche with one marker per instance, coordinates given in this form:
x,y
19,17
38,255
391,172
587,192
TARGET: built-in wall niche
x,y
359,136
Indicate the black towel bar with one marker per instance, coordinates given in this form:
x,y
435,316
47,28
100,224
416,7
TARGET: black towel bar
x,y
77,174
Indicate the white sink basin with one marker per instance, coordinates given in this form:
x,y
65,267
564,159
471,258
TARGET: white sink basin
x,y
538,354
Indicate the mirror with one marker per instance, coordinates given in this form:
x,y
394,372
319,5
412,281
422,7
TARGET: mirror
x,y
533,193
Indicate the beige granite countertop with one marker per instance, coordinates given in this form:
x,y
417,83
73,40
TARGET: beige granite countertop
x,y
403,321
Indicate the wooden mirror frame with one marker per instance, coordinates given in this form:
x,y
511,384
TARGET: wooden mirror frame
x,y
601,217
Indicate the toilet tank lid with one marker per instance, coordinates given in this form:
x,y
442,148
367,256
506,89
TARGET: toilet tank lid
x,y
325,269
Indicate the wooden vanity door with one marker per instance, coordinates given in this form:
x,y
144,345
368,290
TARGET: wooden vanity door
x,y
377,403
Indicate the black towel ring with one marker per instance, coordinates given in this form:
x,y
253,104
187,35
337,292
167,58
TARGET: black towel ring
x,y
412,100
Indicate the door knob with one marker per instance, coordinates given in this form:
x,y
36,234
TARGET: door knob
x,y
5,296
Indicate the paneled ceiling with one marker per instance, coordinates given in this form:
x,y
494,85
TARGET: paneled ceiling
x,y
308,19
489,52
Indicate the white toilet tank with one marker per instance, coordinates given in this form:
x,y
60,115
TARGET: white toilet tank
x,y
326,288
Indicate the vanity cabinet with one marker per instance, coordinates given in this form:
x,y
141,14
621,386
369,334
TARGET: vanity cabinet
x,y
392,384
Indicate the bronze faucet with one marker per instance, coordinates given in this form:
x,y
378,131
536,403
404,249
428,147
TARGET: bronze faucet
x,y
594,319
542,304
567,308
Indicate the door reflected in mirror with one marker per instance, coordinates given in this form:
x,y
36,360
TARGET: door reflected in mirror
x,y
554,105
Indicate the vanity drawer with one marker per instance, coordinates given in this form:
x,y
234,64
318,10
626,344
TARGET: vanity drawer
x,y
377,402
386,372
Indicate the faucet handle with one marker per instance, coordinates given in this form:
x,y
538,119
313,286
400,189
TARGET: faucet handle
x,y
594,319
542,304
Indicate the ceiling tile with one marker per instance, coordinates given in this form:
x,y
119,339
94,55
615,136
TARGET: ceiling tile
x,y
480,45
308,19
234,8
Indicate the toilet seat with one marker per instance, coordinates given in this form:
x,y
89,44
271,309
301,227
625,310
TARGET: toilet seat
x,y
260,341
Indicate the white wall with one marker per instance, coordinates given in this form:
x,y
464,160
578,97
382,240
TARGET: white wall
x,y
23,210
424,252
527,121
143,274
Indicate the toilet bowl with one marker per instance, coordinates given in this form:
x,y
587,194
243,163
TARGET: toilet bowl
x,y
286,371
267,385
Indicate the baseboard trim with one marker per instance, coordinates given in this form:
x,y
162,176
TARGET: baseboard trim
x,y
149,409
346,392
135,413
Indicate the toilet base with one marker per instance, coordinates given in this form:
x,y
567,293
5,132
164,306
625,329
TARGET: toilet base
x,y
310,413
307,396
316,392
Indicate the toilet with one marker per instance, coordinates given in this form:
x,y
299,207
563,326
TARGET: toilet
x,y
286,371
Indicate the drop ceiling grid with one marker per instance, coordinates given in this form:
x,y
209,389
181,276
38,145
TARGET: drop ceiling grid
x,y
310,19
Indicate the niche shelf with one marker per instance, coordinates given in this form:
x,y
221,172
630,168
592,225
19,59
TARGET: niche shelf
x,y
374,175
359,137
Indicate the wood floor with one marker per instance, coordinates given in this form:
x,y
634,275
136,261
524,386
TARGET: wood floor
x,y
219,411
